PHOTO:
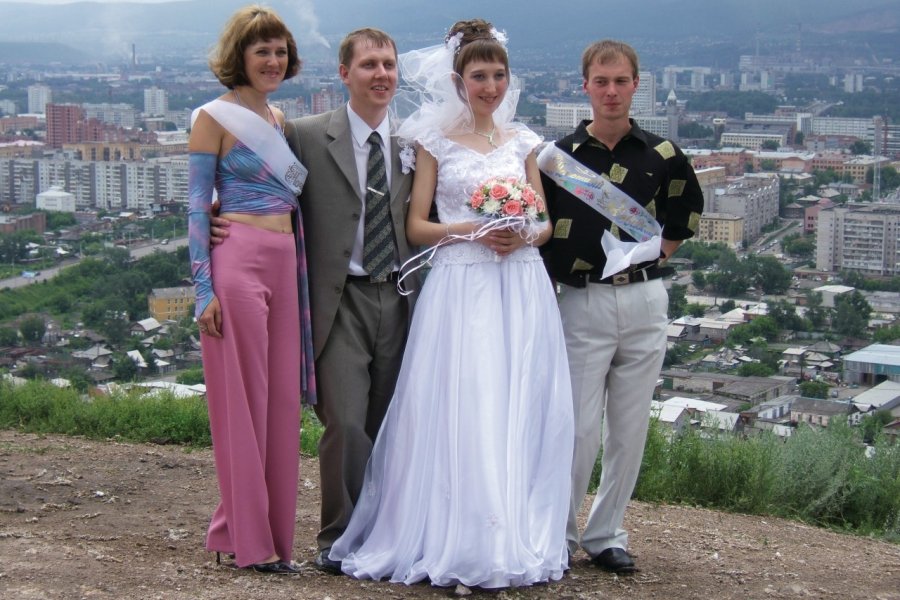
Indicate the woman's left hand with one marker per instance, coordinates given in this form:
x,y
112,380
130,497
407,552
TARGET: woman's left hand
x,y
505,241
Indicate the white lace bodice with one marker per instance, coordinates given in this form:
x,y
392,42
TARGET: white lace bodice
x,y
460,170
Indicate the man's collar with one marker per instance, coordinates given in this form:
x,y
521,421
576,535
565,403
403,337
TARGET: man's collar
x,y
582,135
360,130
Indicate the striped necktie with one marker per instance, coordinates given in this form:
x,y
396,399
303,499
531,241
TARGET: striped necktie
x,y
378,248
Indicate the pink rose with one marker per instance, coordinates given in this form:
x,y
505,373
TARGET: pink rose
x,y
477,199
512,180
540,206
512,208
528,196
499,191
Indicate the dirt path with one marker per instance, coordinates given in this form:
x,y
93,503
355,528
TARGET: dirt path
x,y
83,519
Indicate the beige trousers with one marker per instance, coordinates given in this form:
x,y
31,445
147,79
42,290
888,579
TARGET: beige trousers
x,y
616,342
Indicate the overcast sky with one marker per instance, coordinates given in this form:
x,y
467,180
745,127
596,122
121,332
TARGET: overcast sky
x,y
98,1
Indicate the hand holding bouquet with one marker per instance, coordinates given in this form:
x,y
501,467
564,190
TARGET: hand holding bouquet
x,y
500,197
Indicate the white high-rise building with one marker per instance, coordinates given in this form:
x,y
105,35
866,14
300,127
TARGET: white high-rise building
x,y
39,96
156,102
644,100
859,237
567,115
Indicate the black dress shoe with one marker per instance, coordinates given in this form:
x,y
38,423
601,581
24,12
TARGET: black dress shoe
x,y
279,567
325,564
615,560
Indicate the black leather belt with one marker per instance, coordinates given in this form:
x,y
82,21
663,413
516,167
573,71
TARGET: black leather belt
x,y
392,278
638,275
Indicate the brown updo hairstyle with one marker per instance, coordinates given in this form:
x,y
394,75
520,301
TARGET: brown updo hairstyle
x,y
247,26
477,43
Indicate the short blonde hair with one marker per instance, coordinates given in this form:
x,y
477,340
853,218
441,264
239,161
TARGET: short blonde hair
x,y
247,26
375,37
607,51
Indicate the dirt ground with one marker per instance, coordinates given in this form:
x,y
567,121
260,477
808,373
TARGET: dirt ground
x,y
85,519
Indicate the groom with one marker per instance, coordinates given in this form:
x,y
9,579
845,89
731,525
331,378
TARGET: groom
x,y
359,319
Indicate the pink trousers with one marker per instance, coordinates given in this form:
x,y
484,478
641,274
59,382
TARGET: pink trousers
x,y
253,392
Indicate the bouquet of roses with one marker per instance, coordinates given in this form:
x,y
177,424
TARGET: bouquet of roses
x,y
500,197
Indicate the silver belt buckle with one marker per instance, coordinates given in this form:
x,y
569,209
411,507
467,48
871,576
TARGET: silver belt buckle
x,y
620,279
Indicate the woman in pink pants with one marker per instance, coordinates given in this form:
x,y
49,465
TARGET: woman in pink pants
x,y
252,299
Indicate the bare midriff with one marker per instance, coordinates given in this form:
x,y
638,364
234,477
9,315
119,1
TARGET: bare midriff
x,y
276,223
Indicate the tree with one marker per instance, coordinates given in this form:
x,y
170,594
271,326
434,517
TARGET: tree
x,y
195,376
785,315
798,246
694,130
851,314
32,329
695,309
798,139
872,424
8,336
771,276
860,147
814,310
677,301
769,145
767,164
764,327
755,369
123,367
698,279
727,306
814,389
78,377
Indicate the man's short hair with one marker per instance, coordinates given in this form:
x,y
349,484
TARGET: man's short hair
x,y
607,51
375,37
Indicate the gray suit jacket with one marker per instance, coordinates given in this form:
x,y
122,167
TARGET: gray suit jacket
x,y
331,209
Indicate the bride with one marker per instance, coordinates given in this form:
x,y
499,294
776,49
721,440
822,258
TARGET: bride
x,y
468,481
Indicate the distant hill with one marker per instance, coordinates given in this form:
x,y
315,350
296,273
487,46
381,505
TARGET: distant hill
x,y
111,29
40,53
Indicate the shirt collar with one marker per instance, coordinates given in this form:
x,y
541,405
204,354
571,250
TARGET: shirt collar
x,y
581,134
361,131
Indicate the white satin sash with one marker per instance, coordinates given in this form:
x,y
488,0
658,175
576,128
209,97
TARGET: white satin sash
x,y
611,202
245,125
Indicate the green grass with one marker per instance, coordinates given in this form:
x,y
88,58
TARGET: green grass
x,y
39,407
817,476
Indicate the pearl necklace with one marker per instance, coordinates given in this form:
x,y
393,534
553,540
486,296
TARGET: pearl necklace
x,y
489,136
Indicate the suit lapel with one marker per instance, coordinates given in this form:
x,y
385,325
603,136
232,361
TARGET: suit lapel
x,y
341,146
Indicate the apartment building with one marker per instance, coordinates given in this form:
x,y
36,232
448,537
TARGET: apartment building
x,y
859,237
721,227
753,198
567,115
171,303
106,185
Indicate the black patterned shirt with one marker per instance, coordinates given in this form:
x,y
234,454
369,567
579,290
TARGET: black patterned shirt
x,y
650,169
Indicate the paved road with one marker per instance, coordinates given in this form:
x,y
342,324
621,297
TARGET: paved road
x,y
137,252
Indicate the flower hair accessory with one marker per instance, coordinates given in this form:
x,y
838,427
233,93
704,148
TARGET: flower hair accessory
x,y
500,36
454,41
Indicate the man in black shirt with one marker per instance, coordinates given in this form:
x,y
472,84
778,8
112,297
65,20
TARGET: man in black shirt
x,y
615,326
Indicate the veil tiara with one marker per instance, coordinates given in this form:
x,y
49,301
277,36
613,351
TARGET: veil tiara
x,y
454,41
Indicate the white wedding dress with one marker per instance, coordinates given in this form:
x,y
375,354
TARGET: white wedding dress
x,y
469,478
